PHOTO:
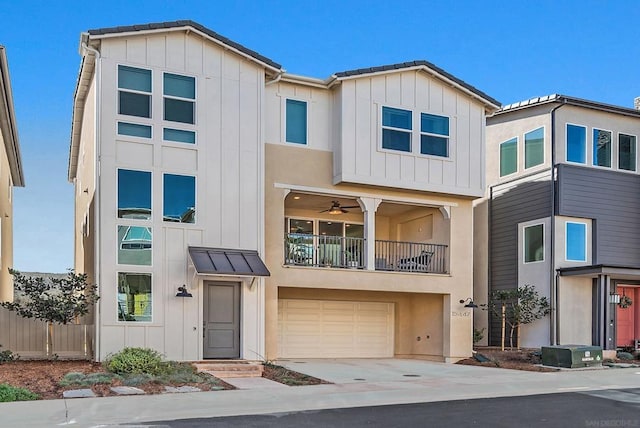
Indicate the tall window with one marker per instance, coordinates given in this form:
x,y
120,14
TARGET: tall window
x,y
508,157
602,148
396,129
576,143
179,202
627,152
296,122
179,98
134,91
534,148
134,297
434,135
576,242
534,243
134,245
134,194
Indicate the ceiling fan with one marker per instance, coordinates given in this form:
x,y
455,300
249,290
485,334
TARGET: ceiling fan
x,y
336,208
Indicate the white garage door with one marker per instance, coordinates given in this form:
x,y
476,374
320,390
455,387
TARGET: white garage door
x,y
334,329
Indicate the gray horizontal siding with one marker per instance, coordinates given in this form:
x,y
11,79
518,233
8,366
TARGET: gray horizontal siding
x,y
525,201
613,200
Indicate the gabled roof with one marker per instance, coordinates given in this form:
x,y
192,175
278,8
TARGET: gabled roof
x,y
431,68
8,126
163,26
565,99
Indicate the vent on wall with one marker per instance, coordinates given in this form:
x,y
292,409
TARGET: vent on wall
x,y
636,103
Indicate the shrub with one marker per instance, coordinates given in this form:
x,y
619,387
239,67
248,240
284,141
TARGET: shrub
x,y
136,361
12,393
7,356
81,379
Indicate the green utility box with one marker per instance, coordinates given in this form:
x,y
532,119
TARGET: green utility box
x,y
571,356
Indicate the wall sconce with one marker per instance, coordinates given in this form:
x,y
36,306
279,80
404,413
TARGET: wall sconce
x,y
470,304
614,298
182,292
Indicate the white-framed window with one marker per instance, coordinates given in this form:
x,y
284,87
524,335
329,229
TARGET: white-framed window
x,y
134,245
534,148
134,130
179,198
627,152
398,133
134,297
509,157
134,194
576,147
179,98
575,241
434,135
134,91
179,135
296,117
533,241
397,127
602,148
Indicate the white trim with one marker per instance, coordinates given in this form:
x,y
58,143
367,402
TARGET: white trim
x,y
165,223
566,144
133,220
524,147
136,137
593,160
119,245
132,91
500,158
173,97
431,134
524,244
134,272
586,241
283,122
180,144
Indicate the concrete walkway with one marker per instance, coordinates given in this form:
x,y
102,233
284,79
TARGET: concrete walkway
x,y
385,383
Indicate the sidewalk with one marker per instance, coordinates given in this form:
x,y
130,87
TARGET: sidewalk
x,y
436,382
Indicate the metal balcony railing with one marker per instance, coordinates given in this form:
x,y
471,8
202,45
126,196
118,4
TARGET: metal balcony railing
x,y
410,257
322,250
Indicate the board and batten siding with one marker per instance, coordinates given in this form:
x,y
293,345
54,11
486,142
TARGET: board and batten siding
x,y
513,203
227,162
610,198
363,161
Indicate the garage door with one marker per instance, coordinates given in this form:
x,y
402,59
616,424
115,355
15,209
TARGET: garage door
x,y
334,329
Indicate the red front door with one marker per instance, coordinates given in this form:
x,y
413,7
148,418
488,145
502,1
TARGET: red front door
x,y
627,319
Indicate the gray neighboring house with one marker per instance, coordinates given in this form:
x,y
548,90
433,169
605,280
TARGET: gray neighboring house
x,y
562,213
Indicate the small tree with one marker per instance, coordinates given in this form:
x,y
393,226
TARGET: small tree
x,y
516,307
52,300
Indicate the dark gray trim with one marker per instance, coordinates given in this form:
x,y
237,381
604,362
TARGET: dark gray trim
x,y
221,261
8,125
594,270
418,63
185,23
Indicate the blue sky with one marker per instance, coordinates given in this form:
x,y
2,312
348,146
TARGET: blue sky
x,y
512,50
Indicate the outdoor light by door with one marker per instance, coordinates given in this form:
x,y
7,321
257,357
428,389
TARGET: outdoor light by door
x,y
614,298
470,304
182,292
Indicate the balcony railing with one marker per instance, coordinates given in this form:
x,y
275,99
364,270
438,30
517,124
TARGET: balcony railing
x,y
411,257
344,252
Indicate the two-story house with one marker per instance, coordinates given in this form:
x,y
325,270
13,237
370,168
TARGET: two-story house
x,y
562,215
228,209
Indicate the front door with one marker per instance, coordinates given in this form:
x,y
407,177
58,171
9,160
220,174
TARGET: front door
x,y
625,319
221,320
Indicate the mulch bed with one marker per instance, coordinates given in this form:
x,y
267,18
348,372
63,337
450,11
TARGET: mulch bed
x,y
523,359
289,377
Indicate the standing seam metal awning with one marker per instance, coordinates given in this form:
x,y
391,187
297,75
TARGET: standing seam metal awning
x,y
222,261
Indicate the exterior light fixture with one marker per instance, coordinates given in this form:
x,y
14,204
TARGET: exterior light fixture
x,y
182,292
335,211
470,304
614,298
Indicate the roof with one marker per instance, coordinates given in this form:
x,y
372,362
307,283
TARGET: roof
x,y
420,63
96,33
8,126
620,272
221,261
565,99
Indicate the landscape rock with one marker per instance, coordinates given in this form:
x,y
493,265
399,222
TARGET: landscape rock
x,y
78,393
127,390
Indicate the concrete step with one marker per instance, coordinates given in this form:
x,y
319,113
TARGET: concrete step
x,y
230,369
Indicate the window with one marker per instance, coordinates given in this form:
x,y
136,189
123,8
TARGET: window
x,y
134,194
134,94
134,297
576,242
396,129
576,143
508,157
134,245
434,135
534,148
296,122
534,243
179,136
627,152
134,130
179,98
602,148
179,203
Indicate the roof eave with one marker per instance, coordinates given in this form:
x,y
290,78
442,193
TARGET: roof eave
x,y
8,123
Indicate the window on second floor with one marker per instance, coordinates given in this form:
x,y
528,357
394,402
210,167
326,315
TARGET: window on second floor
x,y
179,98
434,135
179,198
396,129
534,243
134,91
576,242
508,157
627,152
576,143
134,194
296,122
602,148
534,148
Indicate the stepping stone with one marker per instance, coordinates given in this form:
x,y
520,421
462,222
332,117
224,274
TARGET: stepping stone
x,y
185,388
126,390
78,393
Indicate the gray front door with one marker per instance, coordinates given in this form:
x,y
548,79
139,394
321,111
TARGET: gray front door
x,y
221,320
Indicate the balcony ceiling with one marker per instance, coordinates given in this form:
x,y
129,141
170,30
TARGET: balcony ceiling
x,y
318,203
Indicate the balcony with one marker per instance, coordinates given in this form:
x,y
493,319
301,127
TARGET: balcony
x,y
346,252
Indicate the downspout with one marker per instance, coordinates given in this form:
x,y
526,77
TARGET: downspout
x,y
96,171
276,79
553,277
489,260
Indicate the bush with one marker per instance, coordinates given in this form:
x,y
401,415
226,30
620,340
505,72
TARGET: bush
x,y
81,379
136,361
7,356
11,393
